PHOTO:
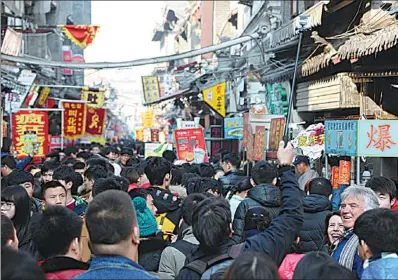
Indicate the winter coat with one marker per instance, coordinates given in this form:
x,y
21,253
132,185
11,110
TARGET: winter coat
x,y
174,255
316,208
264,195
63,268
382,268
80,205
234,203
289,264
168,209
149,252
276,240
230,180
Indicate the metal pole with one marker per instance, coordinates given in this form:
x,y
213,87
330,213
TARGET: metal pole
x,y
11,117
289,112
358,171
326,166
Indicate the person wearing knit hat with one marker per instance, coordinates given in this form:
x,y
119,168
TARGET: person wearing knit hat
x,y
151,242
146,220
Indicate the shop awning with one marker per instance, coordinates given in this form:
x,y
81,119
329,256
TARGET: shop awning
x,y
176,94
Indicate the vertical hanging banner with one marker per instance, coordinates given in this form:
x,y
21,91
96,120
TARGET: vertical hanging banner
x,y
190,145
276,133
150,86
147,118
43,96
94,96
67,57
139,133
245,129
250,143
30,132
344,172
154,135
95,121
215,97
259,143
335,178
74,120
215,132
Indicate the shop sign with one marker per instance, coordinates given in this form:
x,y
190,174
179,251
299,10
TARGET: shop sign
x,y
188,124
215,132
344,172
147,118
341,137
259,143
378,138
95,97
95,121
215,97
11,42
311,141
30,131
277,128
54,143
190,145
150,86
156,150
277,98
31,97
74,120
245,129
335,178
233,128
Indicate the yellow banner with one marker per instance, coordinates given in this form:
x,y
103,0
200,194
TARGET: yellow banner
x,y
147,118
150,85
215,97
43,96
95,98
100,140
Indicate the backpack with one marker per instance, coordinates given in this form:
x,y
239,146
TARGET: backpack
x,y
216,264
184,247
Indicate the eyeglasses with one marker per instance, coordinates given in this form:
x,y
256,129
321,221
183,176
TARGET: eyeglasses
x,y
6,206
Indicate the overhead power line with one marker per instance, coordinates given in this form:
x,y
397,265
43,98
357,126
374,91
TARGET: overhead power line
x,y
146,61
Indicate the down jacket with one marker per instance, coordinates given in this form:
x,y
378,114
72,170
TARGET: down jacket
x,y
230,180
264,195
316,208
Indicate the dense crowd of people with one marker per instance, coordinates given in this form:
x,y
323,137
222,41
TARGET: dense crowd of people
x,y
94,212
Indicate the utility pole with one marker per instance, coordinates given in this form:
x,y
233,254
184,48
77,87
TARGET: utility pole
x,y
302,27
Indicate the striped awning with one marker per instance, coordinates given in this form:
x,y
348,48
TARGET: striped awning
x,y
289,30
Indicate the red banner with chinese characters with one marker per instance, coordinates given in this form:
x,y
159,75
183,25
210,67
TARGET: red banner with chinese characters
x,y
74,120
245,129
276,133
259,143
335,178
95,121
154,135
344,172
30,132
190,145
81,35
250,143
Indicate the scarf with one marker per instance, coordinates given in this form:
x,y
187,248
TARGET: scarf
x,y
349,250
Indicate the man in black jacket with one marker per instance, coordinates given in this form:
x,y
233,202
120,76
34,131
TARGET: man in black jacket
x,y
316,207
274,241
265,194
230,164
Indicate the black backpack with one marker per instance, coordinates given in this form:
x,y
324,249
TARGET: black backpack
x,y
217,264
